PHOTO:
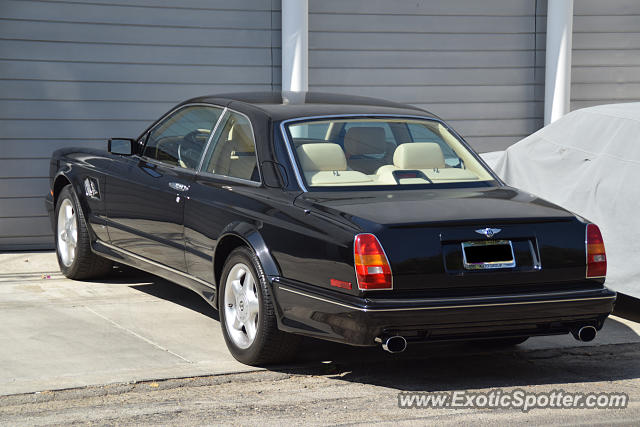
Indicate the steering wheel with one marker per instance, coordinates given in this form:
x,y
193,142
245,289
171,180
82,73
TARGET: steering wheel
x,y
198,136
194,141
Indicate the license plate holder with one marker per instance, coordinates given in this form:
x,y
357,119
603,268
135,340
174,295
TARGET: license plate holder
x,y
488,255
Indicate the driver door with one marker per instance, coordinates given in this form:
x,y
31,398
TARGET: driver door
x,y
146,192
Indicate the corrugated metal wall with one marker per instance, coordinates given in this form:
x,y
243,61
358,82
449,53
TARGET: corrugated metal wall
x,y
606,52
471,62
77,72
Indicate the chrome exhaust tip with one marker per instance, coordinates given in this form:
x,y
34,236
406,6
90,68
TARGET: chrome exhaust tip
x,y
394,344
585,333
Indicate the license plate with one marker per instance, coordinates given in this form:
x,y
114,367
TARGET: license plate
x,y
486,255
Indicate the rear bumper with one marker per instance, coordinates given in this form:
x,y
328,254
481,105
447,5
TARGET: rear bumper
x,y
358,321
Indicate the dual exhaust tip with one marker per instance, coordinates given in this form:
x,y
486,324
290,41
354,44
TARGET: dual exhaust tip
x,y
585,333
394,344
398,344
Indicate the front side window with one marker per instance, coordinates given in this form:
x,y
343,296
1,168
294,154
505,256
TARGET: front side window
x,y
180,138
367,152
232,152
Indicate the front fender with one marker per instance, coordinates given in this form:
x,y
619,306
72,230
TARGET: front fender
x,y
71,174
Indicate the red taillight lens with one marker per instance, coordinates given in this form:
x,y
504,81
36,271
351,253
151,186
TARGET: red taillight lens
x,y
596,256
372,266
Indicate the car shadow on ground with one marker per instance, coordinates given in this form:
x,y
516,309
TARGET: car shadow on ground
x,y
461,366
431,367
160,288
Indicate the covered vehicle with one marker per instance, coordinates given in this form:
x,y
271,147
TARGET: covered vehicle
x,y
343,218
588,162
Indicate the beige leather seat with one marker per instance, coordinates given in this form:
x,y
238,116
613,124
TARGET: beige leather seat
x,y
243,160
326,164
418,155
426,157
361,143
237,157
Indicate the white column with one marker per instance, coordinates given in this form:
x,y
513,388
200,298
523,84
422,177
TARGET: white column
x,y
295,45
557,86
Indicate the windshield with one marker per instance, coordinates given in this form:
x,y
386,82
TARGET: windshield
x,y
365,152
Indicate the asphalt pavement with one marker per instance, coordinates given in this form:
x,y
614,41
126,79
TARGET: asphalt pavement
x,y
133,327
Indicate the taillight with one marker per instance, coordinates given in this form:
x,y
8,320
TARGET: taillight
x,y
372,266
596,256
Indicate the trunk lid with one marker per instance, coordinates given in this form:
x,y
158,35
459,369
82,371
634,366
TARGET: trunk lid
x,y
423,232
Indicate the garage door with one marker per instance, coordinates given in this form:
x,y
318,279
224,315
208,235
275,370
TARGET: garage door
x,y
606,52
477,64
76,73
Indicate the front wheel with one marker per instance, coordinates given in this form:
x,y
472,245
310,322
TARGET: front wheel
x,y
73,242
247,314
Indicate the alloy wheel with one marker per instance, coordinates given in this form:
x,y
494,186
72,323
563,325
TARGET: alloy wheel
x,y
67,232
241,305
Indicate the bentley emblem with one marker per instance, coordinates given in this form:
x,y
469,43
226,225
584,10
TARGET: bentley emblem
x,y
489,232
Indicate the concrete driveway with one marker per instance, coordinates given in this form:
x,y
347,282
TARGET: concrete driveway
x,y
56,333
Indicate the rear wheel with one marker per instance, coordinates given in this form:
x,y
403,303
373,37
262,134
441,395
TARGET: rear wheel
x,y
247,315
73,242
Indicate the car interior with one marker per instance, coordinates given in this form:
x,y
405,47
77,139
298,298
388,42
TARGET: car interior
x,y
235,152
369,155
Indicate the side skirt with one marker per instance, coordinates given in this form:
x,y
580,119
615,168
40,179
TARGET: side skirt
x,y
205,289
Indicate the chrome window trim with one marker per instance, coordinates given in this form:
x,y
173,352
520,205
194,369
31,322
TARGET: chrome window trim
x,y
213,132
147,133
447,307
294,164
230,178
255,146
180,169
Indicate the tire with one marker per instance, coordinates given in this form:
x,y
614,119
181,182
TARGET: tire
x,y
73,241
247,314
502,342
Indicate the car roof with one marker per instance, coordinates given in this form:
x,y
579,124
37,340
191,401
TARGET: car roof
x,y
290,105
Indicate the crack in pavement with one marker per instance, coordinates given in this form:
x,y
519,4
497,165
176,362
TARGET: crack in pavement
x,y
137,335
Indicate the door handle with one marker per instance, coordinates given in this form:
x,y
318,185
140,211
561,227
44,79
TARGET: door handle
x,y
178,186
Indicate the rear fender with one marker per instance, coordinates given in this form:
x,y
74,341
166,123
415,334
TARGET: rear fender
x,y
234,235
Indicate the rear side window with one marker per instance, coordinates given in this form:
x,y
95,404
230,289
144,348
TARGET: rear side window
x,y
233,150
180,139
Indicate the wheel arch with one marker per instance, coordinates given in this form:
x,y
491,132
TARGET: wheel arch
x,y
242,234
59,182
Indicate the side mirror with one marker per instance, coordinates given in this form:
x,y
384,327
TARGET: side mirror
x,y
122,146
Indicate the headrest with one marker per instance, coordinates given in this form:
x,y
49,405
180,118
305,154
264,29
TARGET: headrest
x,y
322,157
365,140
241,137
418,155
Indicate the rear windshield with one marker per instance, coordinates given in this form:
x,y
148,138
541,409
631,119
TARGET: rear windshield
x,y
367,152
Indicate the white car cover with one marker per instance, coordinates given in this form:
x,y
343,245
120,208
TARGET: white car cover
x,y
589,163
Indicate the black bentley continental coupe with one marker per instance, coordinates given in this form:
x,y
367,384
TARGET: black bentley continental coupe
x,y
344,218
